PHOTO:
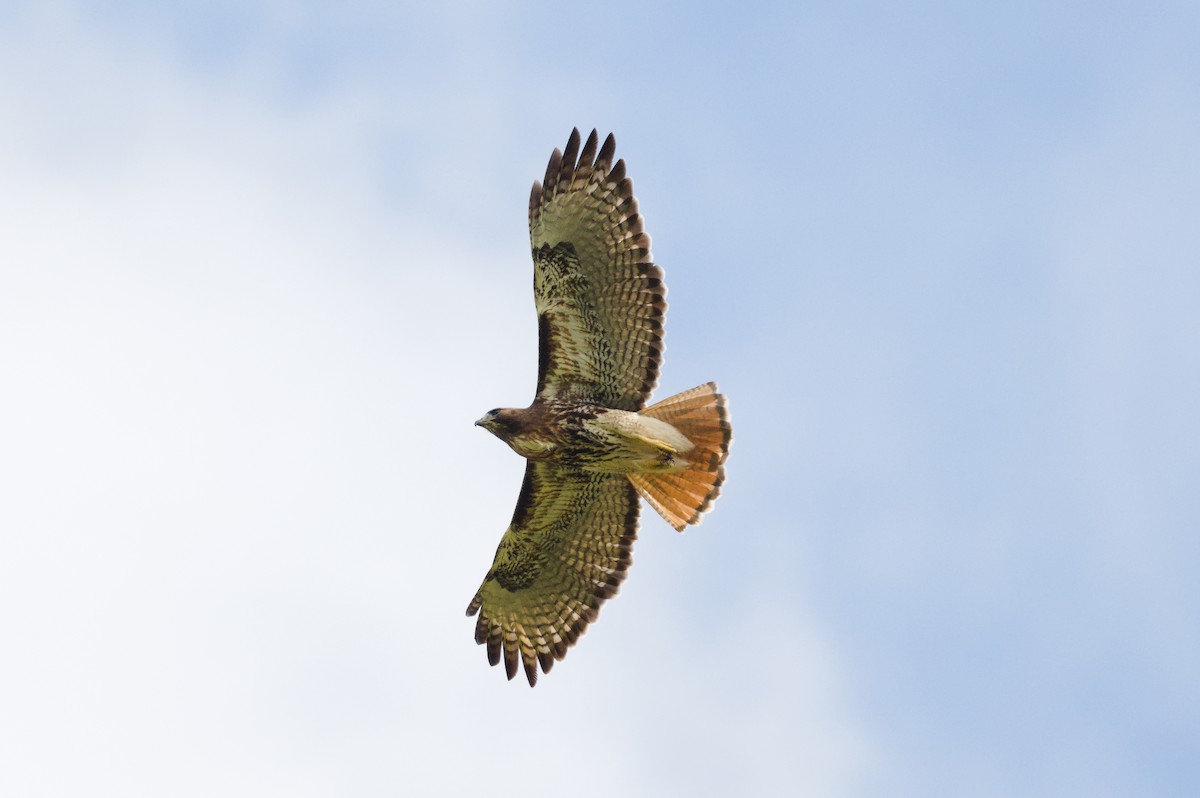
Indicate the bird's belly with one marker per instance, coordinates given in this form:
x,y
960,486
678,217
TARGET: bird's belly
x,y
621,442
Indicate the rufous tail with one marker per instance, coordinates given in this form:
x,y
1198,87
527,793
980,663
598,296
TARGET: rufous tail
x,y
702,416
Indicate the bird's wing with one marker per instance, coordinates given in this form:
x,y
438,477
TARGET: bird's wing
x,y
567,550
600,298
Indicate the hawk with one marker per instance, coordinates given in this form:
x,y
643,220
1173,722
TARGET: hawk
x,y
591,443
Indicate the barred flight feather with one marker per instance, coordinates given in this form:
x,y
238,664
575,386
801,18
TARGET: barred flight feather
x,y
601,304
599,296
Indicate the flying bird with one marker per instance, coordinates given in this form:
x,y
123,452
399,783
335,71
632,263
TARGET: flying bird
x,y
592,444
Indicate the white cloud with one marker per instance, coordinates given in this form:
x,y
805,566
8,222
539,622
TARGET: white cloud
x,y
247,506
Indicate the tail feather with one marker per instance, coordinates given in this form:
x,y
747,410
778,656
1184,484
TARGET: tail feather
x,y
701,414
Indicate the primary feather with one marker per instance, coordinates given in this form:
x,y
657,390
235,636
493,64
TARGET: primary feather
x,y
601,302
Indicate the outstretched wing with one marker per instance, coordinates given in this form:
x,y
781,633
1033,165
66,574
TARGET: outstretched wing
x,y
600,298
567,550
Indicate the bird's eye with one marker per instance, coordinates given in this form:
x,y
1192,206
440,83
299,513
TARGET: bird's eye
x,y
494,412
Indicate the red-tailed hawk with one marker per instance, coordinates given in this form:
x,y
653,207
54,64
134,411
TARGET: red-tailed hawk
x,y
591,443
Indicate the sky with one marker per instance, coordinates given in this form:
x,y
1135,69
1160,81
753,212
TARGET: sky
x,y
263,264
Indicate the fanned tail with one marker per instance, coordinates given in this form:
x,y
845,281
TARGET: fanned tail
x,y
701,414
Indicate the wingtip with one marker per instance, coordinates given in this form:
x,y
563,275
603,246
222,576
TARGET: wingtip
x,y
552,170
617,175
607,150
535,198
572,151
531,671
588,156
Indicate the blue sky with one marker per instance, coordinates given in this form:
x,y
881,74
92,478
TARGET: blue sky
x,y
262,265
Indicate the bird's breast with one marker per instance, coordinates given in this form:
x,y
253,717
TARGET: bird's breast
x,y
533,446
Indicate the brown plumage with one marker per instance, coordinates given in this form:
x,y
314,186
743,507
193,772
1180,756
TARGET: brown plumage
x,y
591,443
681,498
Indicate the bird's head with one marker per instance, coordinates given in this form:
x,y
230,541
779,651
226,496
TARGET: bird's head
x,y
505,422
489,420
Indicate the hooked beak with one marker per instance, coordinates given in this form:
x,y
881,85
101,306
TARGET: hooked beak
x,y
480,422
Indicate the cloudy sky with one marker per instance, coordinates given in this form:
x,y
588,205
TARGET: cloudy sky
x,y
262,265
